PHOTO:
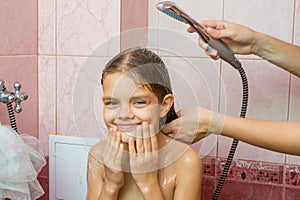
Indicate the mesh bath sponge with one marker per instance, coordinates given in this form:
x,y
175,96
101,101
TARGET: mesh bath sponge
x,y
21,160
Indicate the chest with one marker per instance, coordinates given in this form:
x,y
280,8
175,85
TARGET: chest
x,y
167,182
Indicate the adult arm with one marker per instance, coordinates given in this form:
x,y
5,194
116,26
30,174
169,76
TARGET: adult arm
x,y
278,136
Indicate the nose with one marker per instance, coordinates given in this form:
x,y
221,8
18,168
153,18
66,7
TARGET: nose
x,y
125,112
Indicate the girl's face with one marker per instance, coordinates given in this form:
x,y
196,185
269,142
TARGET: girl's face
x,y
127,105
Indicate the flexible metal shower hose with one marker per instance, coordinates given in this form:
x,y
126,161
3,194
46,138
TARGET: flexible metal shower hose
x,y
11,114
235,141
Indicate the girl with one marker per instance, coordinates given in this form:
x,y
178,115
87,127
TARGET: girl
x,y
138,161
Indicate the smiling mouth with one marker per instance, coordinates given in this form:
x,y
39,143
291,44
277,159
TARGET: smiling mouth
x,y
127,127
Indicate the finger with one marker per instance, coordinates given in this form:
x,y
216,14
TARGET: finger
x,y
110,140
146,137
119,156
131,147
109,134
139,140
209,50
117,139
154,143
172,126
220,34
202,44
191,30
179,113
216,24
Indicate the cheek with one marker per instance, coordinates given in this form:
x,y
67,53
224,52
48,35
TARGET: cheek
x,y
150,114
108,116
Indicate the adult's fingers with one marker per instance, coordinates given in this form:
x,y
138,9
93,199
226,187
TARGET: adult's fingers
x,y
171,127
216,24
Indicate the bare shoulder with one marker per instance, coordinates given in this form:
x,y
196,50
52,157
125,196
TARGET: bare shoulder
x,y
96,150
189,160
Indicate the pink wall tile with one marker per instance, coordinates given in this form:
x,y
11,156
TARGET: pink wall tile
x,y
292,193
208,184
18,22
84,25
47,26
244,190
134,14
47,98
24,70
44,182
134,23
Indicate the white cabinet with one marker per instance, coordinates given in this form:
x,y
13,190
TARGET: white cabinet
x,y
68,166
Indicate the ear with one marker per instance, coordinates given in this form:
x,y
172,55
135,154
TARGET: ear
x,y
166,105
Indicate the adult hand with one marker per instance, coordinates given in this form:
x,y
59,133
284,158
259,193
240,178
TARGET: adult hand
x,y
240,39
194,124
112,159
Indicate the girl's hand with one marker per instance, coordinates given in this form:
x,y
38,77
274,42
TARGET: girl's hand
x,y
144,157
112,159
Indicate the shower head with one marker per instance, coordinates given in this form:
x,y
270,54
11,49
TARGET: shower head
x,y
172,10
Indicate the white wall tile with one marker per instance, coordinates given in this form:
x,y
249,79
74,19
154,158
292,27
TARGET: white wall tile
x,y
273,17
173,36
195,82
268,100
297,23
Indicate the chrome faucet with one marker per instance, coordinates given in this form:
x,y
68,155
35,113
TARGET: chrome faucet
x,y
9,97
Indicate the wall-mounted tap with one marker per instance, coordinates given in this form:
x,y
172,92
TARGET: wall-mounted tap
x,y
9,97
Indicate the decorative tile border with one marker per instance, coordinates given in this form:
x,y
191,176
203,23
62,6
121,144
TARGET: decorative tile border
x,y
292,175
209,166
252,171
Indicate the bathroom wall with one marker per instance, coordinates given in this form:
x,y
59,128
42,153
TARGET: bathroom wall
x,y
47,45
274,94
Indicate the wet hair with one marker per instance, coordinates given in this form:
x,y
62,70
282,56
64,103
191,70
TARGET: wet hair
x,y
147,69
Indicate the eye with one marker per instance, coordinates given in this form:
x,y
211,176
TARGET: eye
x,y
111,103
140,103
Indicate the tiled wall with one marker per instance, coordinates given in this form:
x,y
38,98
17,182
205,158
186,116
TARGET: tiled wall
x,y
255,173
47,45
